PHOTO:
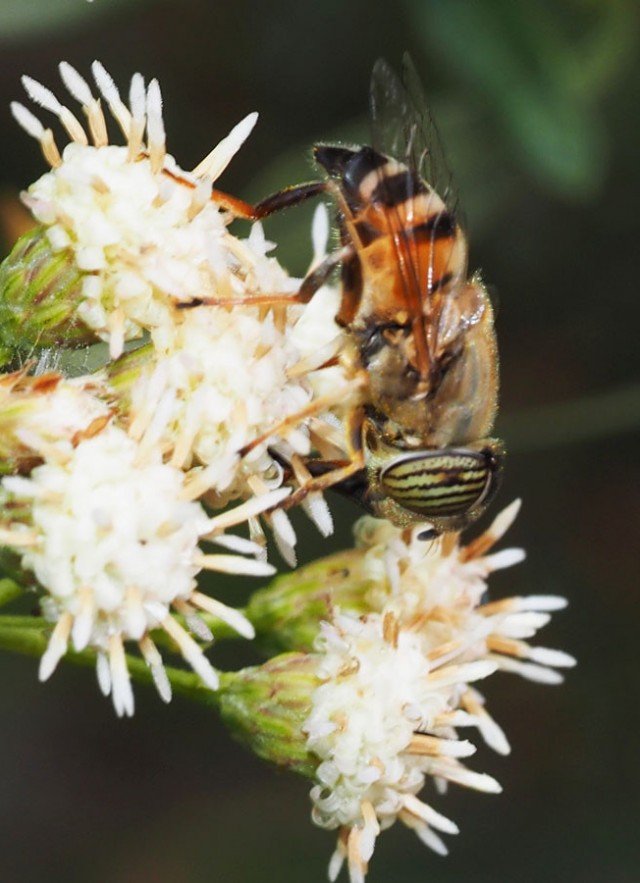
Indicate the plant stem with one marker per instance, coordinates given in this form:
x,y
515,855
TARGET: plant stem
x,y
9,591
28,635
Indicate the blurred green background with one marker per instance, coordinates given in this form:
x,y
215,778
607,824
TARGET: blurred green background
x,y
537,104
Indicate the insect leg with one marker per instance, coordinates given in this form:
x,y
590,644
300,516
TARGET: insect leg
x,y
310,284
288,197
322,403
344,469
276,202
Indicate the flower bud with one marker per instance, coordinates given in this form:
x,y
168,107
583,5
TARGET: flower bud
x,y
265,707
39,294
287,614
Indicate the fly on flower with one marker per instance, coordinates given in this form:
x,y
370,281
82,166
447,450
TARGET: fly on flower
x,y
419,335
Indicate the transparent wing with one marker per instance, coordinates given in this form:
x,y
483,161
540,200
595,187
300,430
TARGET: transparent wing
x,y
403,129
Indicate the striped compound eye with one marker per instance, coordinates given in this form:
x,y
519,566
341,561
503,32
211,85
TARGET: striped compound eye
x,y
439,484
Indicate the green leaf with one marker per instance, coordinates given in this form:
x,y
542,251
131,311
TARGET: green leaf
x,y
525,62
26,17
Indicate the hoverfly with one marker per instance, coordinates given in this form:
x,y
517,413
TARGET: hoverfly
x,y
419,329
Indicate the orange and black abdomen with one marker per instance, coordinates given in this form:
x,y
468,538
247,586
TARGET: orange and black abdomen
x,y
408,246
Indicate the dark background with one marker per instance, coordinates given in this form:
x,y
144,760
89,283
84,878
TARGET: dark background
x,y
538,108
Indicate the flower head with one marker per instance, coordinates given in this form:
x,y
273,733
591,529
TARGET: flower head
x,y
226,382
112,537
402,630
218,381
144,233
37,414
380,723
439,589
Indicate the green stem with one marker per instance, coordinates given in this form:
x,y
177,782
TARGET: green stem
x,y
29,636
9,591
219,629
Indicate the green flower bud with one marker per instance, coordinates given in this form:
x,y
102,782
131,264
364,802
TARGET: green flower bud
x,y
265,707
124,371
286,615
39,295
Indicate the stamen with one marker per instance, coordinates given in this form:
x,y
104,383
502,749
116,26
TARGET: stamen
x,y
216,162
492,734
431,746
200,197
155,127
336,861
191,652
83,621
122,694
521,625
547,603
57,647
153,659
197,625
34,127
455,772
528,670
427,814
39,94
232,617
247,510
462,674
103,673
522,650
234,564
27,121
497,529
357,866
79,89
370,830
284,535
238,544
110,93
137,100
423,832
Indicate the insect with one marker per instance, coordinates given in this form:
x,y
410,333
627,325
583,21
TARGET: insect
x,y
419,330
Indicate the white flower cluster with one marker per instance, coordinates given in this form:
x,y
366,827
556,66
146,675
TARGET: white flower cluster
x,y
438,589
397,684
149,238
113,513
114,541
143,231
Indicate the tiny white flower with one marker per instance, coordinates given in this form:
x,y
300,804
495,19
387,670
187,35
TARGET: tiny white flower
x,y
113,539
379,726
220,381
398,682
438,589
145,233
37,414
